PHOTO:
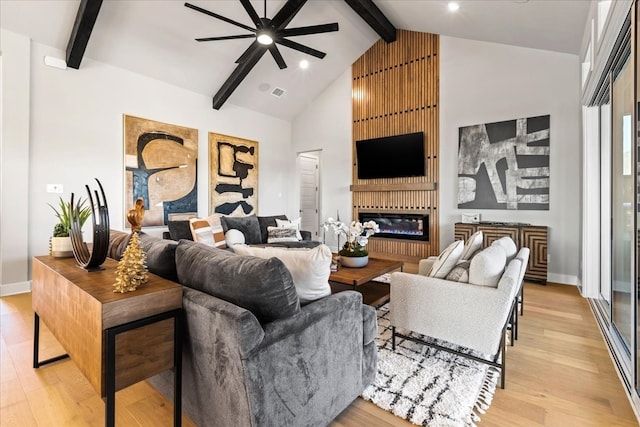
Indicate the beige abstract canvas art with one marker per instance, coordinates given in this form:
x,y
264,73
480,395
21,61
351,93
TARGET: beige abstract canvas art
x,y
160,167
233,175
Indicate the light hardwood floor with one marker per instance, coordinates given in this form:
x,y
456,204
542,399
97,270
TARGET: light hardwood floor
x,y
558,374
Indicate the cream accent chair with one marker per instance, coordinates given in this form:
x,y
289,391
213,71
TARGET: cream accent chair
x,y
474,316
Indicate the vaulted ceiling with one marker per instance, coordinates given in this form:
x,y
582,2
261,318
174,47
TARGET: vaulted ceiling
x,y
156,38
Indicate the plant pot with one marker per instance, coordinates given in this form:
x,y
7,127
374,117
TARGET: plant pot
x,y
61,247
354,261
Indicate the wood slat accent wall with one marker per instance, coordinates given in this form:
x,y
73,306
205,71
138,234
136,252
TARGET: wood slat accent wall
x,y
395,91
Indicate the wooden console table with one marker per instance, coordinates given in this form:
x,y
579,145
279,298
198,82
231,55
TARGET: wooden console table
x,y
361,280
115,339
533,237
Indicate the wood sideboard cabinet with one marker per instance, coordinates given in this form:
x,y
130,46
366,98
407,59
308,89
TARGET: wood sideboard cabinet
x,y
533,237
115,339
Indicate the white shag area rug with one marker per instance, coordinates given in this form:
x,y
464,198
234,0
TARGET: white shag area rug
x,y
426,386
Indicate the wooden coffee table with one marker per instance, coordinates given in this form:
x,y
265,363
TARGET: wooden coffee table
x,y
361,280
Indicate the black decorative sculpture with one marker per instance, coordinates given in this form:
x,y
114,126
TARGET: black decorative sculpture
x,y
91,260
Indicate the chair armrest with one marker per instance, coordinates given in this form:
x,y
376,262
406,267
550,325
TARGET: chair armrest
x,y
343,309
220,326
425,265
369,324
465,314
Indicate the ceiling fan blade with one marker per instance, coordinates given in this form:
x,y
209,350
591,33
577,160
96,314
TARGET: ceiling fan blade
x,y
236,77
240,36
311,29
250,51
220,17
251,12
302,48
277,56
286,13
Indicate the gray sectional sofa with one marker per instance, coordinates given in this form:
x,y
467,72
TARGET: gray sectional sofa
x,y
253,356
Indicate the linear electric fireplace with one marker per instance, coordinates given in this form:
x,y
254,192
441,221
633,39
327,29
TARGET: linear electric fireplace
x,y
399,226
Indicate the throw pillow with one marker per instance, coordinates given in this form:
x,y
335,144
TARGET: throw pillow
x,y
474,243
234,237
293,223
309,268
262,286
201,231
460,273
508,245
268,221
179,230
487,266
446,260
248,225
281,234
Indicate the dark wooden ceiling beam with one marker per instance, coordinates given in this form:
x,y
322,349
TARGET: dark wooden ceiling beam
x,y
250,59
375,18
82,28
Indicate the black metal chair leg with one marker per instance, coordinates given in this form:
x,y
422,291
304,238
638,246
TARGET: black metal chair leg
x,y
393,338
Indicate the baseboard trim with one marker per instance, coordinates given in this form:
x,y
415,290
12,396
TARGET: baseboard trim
x,y
15,288
563,279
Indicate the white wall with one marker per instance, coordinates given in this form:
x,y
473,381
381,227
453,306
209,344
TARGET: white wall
x,y
76,134
479,83
326,125
14,163
486,82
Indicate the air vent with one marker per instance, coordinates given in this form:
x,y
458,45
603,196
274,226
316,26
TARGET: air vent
x,y
278,92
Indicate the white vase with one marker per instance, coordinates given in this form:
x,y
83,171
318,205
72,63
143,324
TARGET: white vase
x,y
354,261
61,247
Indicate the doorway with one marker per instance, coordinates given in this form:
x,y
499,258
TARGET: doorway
x,y
309,181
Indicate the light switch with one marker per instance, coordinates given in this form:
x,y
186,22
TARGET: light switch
x,y
54,188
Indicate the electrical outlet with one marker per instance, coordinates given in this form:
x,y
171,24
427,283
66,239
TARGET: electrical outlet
x,y
54,188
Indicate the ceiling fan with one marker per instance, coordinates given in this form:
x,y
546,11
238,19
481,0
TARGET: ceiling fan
x,y
266,34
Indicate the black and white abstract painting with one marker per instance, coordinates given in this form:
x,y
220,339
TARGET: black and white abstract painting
x,y
504,165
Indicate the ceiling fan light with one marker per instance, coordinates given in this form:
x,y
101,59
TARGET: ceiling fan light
x,y
265,38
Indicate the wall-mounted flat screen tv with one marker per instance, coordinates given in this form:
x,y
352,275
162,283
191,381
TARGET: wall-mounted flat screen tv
x,y
391,157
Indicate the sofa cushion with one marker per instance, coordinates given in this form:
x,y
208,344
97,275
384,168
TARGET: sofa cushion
x,y
309,268
248,225
268,221
179,230
161,256
460,273
473,244
262,286
160,252
508,245
282,234
446,260
487,266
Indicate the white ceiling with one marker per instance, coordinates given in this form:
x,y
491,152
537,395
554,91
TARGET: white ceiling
x,y
156,38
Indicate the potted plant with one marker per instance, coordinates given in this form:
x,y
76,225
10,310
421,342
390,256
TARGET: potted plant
x,y
354,252
60,243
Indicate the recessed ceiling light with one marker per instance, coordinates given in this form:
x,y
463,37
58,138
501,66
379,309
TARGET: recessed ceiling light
x,y
304,64
453,6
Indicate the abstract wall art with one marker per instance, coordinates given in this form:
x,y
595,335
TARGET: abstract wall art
x,y
161,168
233,175
504,165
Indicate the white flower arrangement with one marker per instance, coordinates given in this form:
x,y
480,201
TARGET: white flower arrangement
x,y
357,235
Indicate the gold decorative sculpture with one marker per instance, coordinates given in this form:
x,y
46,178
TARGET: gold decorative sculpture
x,y
135,215
132,268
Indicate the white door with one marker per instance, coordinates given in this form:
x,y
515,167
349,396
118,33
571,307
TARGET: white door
x,y
309,183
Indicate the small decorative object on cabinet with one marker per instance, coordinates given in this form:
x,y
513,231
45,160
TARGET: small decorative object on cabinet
x,y
354,253
91,260
132,268
60,243
533,237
